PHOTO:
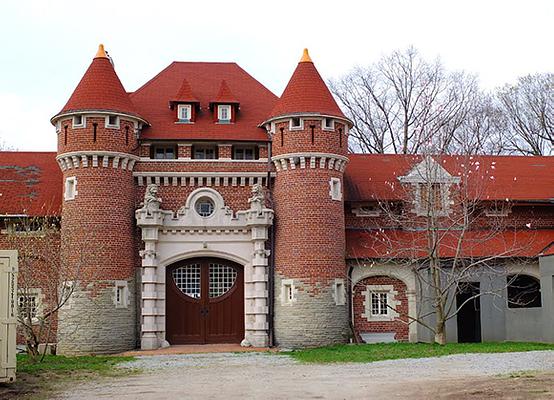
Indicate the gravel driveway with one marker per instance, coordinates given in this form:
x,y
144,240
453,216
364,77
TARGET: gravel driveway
x,y
271,376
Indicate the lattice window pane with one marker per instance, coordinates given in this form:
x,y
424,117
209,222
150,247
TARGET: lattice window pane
x,y
28,305
379,303
222,278
187,279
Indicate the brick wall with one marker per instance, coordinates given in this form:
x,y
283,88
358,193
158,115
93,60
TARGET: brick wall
x,y
398,325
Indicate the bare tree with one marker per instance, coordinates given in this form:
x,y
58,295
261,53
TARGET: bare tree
x,y
436,228
46,283
403,103
528,110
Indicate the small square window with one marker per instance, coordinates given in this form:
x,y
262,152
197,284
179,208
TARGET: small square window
x,y
70,191
296,123
112,121
335,190
224,113
28,306
328,124
184,112
78,121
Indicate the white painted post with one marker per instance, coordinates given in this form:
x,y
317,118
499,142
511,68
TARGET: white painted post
x,y
8,314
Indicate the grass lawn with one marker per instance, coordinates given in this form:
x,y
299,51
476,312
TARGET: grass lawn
x,y
364,353
61,364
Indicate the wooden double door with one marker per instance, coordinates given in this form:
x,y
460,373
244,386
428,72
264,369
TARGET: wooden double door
x,y
204,302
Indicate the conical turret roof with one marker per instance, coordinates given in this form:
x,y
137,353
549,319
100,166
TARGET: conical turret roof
x,y
100,89
306,92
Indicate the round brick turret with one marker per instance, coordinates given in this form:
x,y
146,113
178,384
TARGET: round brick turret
x,y
97,148
309,151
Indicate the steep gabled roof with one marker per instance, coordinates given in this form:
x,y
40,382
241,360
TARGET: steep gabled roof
x,y
30,184
515,178
306,92
205,78
100,89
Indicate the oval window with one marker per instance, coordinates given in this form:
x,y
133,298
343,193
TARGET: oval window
x,y
204,207
187,280
222,279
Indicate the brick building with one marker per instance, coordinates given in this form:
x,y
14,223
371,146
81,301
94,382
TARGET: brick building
x,y
211,210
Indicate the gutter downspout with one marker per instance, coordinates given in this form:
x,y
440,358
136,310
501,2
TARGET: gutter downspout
x,y
271,266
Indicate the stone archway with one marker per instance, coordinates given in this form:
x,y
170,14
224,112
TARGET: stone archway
x,y
169,237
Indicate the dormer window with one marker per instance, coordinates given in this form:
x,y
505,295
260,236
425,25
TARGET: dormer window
x,y
224,113
296,123
328,124
112,121
184,113
78,121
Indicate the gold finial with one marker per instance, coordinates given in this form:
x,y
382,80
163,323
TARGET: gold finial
x,y
306,56
101,53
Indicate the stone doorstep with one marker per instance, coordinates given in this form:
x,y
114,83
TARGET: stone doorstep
x,y
197,349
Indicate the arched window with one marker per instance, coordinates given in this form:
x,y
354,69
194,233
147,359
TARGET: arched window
x,y
524,291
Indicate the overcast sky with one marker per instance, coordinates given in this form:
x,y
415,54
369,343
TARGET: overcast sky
x,y
46,46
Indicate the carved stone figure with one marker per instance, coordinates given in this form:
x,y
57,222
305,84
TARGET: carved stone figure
x,y
257,201
151,200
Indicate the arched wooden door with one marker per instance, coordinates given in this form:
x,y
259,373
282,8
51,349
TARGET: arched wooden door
x,y
204,302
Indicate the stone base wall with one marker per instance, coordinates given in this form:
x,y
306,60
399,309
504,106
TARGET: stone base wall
x,y
312,319
91,322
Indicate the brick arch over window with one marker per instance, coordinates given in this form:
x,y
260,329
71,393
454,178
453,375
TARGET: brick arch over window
x,y
373,320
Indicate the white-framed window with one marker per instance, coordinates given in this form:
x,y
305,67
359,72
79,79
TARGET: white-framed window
x,y
58,126
380,303
296,123
184,112
339,292
328,124
29,304
224,113
112,121
70,190
335,190
79,121
244,153
432,198
121,294
288,292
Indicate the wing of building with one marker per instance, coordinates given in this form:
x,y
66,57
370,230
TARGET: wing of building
x,y
202,208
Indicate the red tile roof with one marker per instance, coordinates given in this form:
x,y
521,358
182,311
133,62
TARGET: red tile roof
x,y
185,94
413,244
516,178
100,89
306,92
224,95
256,101
30,184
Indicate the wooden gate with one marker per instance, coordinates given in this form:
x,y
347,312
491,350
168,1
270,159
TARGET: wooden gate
x,y
204,302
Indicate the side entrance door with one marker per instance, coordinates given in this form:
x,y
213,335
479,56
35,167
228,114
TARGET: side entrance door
x,y
469,316
204,302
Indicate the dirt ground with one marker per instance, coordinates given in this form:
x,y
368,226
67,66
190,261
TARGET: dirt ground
x,y
257,376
